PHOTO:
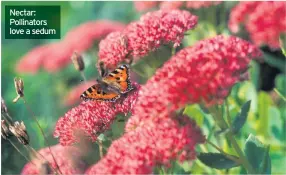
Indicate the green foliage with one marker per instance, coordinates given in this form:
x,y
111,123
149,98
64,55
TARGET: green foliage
x,y
265,116
241,117
217,160
258,155
195,113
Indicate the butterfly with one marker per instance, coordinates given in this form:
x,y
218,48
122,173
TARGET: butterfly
x,y
111,87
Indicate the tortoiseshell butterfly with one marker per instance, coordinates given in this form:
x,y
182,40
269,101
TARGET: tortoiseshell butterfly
x,y
111,86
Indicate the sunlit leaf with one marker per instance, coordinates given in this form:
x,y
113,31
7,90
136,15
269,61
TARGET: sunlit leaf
x,y
248,92
195,113
262,122
282,41
276,123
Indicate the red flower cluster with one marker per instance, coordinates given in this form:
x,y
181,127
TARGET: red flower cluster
x,y
141,37
68,159
54,56
155,143
205,72
142,6
92,118
73,96
168,5
263,20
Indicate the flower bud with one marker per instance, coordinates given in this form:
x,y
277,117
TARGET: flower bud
x,y
19,131
19,86
77,61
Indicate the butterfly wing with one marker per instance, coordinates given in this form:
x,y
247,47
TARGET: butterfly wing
x,y
96,92
119,79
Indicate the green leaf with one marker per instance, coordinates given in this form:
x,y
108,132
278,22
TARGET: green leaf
x,y
283,43
255,73
248,92
241,117
177,169
266,162
276,123
257,155
195,113
217,160
262,122
273,61
280,84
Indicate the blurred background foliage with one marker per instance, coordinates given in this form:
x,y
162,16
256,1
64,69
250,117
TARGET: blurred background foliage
x,y
45,91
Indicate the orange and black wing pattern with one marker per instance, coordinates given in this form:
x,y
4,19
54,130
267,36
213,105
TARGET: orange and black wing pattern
x,y
96,92
119,79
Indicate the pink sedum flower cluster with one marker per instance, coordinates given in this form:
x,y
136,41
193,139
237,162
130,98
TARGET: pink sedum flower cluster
x,y
92,118
68,159
142,6
155,143
52,57
263,21
169,5
205,72
146,35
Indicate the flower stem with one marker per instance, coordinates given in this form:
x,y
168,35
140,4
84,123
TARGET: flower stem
x,y
46,140
223,125
100,148
173,51
280,95
224,153
227,113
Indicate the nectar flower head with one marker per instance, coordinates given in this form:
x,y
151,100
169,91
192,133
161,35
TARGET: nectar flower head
x,y
157,142
203,73
200,4
262,20
169,5
92,117
83,36
146,35
113,49
68,159
54,56
142,6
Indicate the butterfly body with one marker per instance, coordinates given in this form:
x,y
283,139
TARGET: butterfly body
x,y
110,87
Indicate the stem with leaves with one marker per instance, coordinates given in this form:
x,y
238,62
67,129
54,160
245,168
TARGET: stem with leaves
x,y
218,116
224,153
